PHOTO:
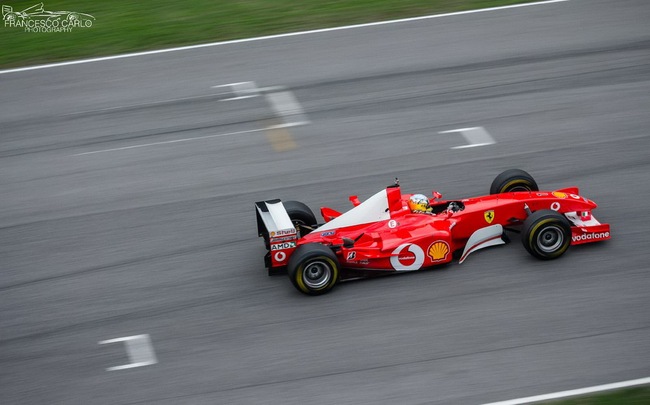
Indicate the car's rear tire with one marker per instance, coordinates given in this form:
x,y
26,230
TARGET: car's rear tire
x,y
546,234
301,215
313,269
513,180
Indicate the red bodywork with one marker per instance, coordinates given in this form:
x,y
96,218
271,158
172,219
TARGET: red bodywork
x,y
404,241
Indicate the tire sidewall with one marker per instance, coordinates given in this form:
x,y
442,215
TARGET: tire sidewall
x,y
300,275
307,254
512,179
542,221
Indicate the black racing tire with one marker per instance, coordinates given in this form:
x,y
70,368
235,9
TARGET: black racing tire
x,y
513,180
301,215
313,269
546,234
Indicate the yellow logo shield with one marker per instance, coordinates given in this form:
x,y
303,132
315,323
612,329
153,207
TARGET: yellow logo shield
x,y
489,216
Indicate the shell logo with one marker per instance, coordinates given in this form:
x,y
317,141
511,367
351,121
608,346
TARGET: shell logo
x,y
559,194
438,250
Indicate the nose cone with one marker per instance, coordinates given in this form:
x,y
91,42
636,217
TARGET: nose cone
x,y
591,204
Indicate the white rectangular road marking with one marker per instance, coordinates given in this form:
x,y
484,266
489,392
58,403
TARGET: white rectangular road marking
x,y
475,136
139,349
288,125
282,102
242,90
570,393
289,34
286,107
230,85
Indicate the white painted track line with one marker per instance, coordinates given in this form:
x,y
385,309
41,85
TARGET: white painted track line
x,y
139,349
196,138
476,136
149,104
570,393
286,107
290,34
172,141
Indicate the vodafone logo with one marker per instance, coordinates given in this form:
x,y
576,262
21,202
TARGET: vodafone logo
x,y
407,257
591,236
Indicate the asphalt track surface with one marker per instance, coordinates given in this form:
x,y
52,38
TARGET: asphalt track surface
x,y
161,239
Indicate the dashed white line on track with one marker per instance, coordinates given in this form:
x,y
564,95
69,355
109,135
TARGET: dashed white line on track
x,y
242,90
475,136
286,107
139,349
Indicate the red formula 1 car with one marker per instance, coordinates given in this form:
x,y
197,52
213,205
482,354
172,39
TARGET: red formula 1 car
x,y
395,232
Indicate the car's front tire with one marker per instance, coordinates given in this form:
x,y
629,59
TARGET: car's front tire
x,y
313,269
513,180
546,234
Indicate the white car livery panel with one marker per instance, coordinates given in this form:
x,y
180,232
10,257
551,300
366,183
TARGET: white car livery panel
x,y
374,209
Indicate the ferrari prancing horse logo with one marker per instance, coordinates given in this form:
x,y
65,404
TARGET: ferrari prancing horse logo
x,y
489,216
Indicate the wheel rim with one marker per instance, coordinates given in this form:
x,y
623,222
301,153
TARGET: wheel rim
x,y
520,188
550,239
316,274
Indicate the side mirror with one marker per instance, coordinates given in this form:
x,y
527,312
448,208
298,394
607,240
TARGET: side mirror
x,y
436,195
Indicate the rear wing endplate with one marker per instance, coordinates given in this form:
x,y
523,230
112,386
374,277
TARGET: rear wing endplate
x,y
272,217
279,233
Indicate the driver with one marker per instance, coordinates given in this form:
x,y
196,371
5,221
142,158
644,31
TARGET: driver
x,y
419,204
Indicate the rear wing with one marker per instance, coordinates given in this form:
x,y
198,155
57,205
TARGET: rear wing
x,y
279,233
272,217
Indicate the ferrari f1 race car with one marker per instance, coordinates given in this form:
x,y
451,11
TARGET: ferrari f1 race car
x,y
392,232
